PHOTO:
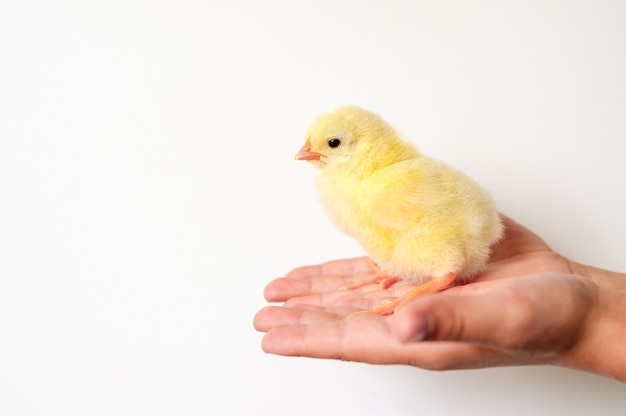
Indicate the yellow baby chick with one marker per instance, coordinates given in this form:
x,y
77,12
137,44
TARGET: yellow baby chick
x,y
418,219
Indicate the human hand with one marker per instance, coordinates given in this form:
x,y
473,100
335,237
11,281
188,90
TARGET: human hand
x,y
530,306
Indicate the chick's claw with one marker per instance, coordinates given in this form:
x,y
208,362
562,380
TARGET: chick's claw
x,y
388,307
380,277
388,281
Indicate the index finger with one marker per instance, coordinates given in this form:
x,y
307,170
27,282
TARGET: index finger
x,y
316,279
343,267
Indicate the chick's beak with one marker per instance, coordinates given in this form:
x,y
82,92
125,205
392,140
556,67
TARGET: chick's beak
x,y
305,153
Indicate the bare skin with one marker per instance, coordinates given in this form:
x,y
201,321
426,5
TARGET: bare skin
x,y
530,306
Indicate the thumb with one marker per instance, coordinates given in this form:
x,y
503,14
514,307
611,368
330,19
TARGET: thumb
x,y
477,318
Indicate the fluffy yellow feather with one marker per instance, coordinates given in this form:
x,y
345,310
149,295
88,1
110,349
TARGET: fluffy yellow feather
x,y
417,218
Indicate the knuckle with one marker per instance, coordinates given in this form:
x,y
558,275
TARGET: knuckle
x,y
519,319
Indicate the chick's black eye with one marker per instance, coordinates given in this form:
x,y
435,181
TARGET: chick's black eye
x,y
334,143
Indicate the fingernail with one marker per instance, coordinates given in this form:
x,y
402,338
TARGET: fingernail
x,y
420,330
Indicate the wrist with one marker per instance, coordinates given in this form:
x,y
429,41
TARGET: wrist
x,y
601,347
604,278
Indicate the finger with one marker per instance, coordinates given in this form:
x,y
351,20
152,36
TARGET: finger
x,y
298,340
367,338
283,288
321,278
344,267
274,316
358,337
360,299
500,321
330,299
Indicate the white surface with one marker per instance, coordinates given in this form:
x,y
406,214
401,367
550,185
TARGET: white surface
x,y
148,191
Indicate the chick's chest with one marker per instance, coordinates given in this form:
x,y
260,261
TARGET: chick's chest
x,y
341,199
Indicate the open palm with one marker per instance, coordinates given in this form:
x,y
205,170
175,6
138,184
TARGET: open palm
x,y
505,316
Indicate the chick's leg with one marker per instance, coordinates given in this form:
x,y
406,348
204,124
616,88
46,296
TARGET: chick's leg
x,y
379,276
431,286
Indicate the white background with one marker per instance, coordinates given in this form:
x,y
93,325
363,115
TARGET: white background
x,y
148,190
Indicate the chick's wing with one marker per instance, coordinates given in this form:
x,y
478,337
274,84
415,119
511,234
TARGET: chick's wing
x,y
405,193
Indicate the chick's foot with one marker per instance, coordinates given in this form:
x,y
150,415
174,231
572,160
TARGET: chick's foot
x,y
382,278
431,286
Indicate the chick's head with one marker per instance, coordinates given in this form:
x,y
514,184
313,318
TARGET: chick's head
x,y
353,140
